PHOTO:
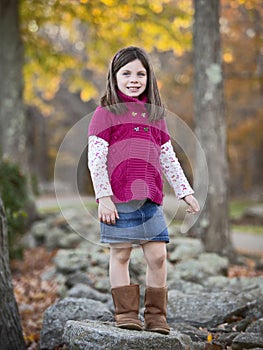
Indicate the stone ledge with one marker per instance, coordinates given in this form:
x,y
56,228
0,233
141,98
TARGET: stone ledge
x,y
87,335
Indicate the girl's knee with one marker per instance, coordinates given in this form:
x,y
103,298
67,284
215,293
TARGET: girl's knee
x,y
156,258
121,255
159,259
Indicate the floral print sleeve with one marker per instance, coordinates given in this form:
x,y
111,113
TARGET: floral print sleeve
x,y
97,162
174,172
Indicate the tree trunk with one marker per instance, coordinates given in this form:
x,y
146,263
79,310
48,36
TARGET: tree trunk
x,y
11,336
213,224
13,133
12,116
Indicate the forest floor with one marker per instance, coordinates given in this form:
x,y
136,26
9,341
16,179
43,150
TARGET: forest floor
x,y
34,295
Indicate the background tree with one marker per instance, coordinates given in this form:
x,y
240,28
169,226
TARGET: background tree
x,y
12,145
11,336
13,127
12,115
210,127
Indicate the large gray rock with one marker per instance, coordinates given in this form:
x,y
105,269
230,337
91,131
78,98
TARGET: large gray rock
x,y
56,316
253,286
84,291
196,335
102,284
69,240
246,284
256,327
197,270
53,237
247,341
87,335
68,261
204,309
184,248
76,278
184,286
39,231
216,283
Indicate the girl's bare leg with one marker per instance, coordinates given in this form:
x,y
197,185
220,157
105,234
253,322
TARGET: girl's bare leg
x,y
119,264
155,255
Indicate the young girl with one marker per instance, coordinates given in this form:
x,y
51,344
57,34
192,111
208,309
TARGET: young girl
x,y
129,148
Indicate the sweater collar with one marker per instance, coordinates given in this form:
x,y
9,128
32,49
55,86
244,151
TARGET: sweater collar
x,y
126,98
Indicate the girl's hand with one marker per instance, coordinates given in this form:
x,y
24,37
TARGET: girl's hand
x,y
193,204
107,211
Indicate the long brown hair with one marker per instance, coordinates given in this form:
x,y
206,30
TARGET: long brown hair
x,y
113,102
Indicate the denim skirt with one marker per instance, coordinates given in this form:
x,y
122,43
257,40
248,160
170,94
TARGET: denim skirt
x,y
140,221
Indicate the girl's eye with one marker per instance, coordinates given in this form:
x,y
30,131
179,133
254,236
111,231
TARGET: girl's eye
x,y
126,73
142,74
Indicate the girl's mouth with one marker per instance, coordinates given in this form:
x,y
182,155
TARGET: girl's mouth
x,y
133,88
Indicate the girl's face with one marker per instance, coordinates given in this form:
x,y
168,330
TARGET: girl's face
x,y
132,78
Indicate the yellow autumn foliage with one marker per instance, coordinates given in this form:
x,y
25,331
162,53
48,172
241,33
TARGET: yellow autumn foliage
x,y
66,36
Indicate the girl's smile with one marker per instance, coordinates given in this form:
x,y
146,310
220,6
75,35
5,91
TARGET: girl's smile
x,y
132,78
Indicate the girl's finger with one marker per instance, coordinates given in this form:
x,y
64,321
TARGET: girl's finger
x,y
113,218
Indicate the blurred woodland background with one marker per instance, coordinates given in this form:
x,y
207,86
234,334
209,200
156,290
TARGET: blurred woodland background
x,y
68,46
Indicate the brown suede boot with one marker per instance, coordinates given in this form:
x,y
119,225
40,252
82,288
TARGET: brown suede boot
x,y
155,310
127,302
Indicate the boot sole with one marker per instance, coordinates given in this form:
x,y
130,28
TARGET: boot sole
x,y
131,326
158,330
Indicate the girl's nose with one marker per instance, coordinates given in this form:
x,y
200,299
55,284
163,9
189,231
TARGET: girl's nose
x,y
134,79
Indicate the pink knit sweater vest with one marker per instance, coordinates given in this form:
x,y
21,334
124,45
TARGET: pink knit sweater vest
x,y
134,150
